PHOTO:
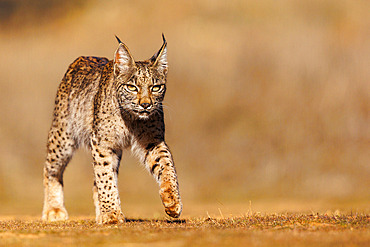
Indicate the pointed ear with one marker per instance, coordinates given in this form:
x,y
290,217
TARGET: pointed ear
x,y
159,60
123,60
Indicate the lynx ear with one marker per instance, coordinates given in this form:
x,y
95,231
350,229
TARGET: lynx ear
x,y
123,60
159,59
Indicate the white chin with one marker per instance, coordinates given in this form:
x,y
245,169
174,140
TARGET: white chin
x,y
143,116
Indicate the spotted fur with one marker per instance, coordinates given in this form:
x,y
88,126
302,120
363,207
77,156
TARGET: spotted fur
x,y
107,106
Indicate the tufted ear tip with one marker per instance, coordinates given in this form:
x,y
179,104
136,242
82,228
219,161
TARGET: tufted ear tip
x,y
164,39
123,59
119,41
159,59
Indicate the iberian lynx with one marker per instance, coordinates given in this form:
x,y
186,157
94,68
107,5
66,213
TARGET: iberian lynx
x,y
107,106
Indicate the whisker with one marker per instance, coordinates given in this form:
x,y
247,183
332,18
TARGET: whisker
x,y
168,108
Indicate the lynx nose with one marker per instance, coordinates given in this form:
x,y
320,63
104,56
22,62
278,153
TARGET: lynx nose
x,y
145,105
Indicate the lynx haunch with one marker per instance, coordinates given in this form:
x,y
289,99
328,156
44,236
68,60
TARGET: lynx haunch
x,y
107,106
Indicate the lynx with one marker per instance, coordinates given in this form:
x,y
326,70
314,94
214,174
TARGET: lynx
x,y
108,106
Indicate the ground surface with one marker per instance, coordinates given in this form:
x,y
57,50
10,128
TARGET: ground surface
x,y
351,229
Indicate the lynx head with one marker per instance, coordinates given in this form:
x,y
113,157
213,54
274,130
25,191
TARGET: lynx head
x,y
141,85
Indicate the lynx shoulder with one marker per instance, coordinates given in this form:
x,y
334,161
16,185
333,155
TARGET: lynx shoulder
x,y
107,106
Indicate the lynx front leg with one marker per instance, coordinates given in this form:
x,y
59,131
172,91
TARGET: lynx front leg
x,y
106,196
159,161
60,150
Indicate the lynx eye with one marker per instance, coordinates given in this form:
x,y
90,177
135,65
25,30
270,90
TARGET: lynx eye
x,y
156,88
131,88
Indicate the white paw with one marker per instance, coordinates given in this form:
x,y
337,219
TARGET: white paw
x,y
55,214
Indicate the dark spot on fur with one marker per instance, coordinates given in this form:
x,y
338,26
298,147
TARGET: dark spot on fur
x,y
153,167
150,147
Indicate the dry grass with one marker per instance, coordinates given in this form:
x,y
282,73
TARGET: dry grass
x,y
256,230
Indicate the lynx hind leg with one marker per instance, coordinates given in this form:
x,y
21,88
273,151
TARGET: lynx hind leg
x,y
160,164
59,152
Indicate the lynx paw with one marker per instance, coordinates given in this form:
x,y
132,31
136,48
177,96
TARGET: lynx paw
x,y
174,211
55,214
110,218
172,203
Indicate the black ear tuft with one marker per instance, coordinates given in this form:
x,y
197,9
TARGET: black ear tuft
x,y
123,60
164,39
155,56
159,59
119,41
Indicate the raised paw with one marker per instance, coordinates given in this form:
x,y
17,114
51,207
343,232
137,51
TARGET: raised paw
x,y
55,214
174,211
172,203
110,218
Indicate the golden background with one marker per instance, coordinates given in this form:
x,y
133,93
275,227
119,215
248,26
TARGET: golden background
x,y
267,105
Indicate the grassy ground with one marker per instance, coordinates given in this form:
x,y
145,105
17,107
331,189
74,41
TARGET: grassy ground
x,y
256,230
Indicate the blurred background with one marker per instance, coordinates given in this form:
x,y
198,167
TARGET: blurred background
x,y
267,107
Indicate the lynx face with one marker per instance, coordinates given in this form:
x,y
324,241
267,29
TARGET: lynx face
x,y
141,86
142,95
